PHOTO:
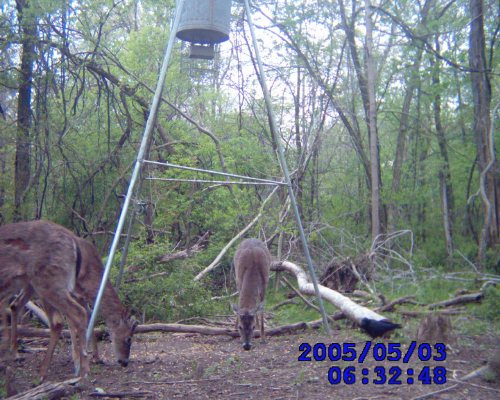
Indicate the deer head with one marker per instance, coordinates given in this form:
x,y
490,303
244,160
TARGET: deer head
x,y
121,337
246,319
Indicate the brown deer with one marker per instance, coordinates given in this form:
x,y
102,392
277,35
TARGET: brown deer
x,y
252,262
44,257
116,316
32,246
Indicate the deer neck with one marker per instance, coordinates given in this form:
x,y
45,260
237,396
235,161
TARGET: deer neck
x,y
111,308
250,292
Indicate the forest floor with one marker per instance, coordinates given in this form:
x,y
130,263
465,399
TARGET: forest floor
x,y
194,366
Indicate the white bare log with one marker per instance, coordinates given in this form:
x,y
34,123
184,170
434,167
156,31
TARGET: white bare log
x,y
351,310
38,312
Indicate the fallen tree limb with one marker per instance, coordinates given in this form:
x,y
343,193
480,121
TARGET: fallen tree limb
x,y
464,299
205,330
402,300
349,308
38,312
120,395
182,328
179,255
49,390
284,303
238,236
490,371
419,313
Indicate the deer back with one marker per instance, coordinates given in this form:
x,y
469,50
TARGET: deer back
x,y
40,251
252,262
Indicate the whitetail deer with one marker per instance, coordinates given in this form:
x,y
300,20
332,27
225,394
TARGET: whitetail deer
x,y
63,270
252,262
116,316
45,257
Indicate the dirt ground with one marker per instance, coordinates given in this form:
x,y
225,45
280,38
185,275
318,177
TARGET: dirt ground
x,y
193,366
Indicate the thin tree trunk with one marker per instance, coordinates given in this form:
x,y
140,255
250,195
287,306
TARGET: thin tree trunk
x,y
447,224
27,22
481,91
413,82
372,126
444,173
298,143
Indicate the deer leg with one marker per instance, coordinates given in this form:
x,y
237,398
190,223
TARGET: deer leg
x,y
56,325
262,332
95,350
4,344
18,304
77,321
62,300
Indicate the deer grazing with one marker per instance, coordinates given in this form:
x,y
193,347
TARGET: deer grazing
x,y
45,257
252,262
87,272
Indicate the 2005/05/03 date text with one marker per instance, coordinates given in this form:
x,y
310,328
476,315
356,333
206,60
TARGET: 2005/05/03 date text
x,y
380,375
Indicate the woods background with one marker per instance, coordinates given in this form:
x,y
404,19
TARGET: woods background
x,y
386,111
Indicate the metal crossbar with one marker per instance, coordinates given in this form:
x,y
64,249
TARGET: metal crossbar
x,y
208,171
153,178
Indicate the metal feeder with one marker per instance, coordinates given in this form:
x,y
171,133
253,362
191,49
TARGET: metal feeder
x,y
200,51
205,21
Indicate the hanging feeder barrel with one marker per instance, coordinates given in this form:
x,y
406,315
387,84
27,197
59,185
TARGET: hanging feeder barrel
x,y
205,21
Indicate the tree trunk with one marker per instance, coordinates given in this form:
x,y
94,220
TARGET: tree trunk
x,y
413,83
481,91
299,177
447,199
28,28
372,126
366,82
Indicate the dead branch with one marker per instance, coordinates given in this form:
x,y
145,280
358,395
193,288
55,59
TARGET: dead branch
x,y
180,255
205,330
349,308
284,303
489,371
181,328
215,262
38,312
464,299
49,390
120,395
402,300
420,313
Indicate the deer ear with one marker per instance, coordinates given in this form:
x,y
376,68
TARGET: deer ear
x,y
235,308
260,307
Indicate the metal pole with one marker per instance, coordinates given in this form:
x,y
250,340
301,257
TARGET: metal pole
x,y
138,164
284,167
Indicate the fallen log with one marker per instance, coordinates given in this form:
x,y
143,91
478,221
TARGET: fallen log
x,y
349,308
206,330
49,390
464,299
402,300
183,328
